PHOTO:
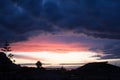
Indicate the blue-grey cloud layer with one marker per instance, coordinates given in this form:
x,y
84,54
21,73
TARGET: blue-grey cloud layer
x,y
19,19
98,18
110,48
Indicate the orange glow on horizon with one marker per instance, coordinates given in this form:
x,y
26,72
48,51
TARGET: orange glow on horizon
x,y
48,50
49,43
36,47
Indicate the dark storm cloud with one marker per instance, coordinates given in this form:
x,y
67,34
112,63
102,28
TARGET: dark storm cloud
x,y
110,49
18,20
113,50
97,18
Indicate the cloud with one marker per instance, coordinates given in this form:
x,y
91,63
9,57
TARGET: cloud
x,y
27,57
21,18
111,50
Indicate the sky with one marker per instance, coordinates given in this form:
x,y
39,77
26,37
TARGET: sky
x,y
61,31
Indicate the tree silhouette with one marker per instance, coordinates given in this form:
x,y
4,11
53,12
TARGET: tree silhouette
x,y
7,49
39,64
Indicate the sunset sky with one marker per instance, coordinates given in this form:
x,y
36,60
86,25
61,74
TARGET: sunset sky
x,y
61,31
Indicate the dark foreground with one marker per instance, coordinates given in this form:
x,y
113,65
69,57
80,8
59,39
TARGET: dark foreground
x,y
90,71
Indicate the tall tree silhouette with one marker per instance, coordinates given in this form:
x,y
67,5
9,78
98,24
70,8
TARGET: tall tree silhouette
x,y
6,47
7,50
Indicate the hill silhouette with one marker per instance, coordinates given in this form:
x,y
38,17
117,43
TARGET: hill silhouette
x,y
6,64
90,71
98,71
